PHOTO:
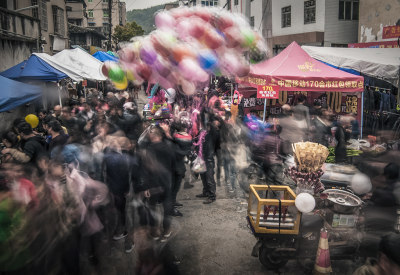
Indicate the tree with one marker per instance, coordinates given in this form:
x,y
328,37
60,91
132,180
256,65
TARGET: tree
x,y
125,33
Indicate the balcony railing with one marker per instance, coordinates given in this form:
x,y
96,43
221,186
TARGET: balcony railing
x,y
17,26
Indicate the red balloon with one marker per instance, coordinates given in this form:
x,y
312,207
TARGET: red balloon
x,y
104,70
197,28
143,71
159,47
213,39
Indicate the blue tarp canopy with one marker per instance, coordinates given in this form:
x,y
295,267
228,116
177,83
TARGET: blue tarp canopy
x,y
34,68
14,93
102,56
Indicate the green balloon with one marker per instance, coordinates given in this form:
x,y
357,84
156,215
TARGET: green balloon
x,y
249,37
116,74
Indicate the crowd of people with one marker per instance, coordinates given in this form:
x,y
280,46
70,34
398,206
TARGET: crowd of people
x,y
90,164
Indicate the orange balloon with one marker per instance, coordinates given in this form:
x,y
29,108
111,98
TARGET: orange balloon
x,y
179,52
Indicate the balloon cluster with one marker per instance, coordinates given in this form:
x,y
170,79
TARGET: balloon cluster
x,y
188,45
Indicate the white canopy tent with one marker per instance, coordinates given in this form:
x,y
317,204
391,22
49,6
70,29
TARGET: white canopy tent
x,y
381,63
76,63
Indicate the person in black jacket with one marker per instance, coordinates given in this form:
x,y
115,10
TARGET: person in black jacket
x,y
120,169
183,144
209,149
158,164
32,148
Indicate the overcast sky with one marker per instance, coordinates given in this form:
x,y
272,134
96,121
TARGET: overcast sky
x,y
143,4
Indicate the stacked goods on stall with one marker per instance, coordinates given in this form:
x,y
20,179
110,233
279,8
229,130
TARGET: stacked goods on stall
x,y
309,158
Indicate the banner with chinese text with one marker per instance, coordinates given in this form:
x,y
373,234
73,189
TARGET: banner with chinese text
x,y
339,103
355,85
391,32
267,91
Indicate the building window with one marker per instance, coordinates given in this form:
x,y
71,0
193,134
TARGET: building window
x,y
355,10
286,16
105,1
309,12
348,9
58,20
106,28
90,13
209,3
35,11
90,1
105,13
252,21
92,24
43,14
236,2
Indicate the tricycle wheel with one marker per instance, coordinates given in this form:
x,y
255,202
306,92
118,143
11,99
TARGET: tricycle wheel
x,y
270,259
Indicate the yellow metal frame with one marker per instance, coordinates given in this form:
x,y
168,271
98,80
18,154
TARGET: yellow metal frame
x,y
289,199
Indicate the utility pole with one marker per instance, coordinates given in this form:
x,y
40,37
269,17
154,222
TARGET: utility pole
x,y
110,24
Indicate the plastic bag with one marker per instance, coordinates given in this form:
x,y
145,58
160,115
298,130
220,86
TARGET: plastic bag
x,y
199,166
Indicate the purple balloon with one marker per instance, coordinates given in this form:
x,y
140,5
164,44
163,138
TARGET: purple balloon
x,y
148,55
162,67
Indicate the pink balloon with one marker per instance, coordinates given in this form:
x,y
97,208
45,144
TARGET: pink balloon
x,y
164,83
164,20
189,68
230,63
233,37
188,87
126,54
202,76
183,28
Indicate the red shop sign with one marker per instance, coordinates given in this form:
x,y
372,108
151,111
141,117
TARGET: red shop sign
x,y
391,32
268,91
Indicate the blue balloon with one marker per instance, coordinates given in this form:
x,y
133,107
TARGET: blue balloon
x,y
207,60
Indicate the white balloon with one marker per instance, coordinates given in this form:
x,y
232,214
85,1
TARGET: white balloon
x,y
360,184
305,202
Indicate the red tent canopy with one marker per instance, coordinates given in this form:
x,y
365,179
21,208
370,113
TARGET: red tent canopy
x,y
294,70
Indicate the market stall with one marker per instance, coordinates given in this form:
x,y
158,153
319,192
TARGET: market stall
x,y
295,72
381,63
34,68
15,93
103,56
381,68
76,63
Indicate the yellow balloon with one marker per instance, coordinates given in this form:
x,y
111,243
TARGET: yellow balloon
x,y
130,76
32,120
121,85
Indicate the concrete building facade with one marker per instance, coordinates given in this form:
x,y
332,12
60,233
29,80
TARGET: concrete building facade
x,y
314,22
53,21
98,15
374,16
19,36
